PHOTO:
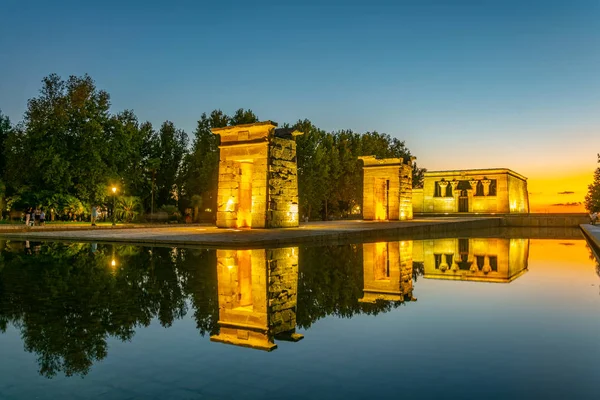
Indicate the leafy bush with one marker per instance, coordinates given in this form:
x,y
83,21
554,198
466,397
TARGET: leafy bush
x,y
128,208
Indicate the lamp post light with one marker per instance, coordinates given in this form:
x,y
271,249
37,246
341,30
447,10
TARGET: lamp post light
x,y
114,190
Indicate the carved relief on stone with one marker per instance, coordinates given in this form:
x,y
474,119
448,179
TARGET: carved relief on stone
x,y
486,186
443,185
473,184
454,184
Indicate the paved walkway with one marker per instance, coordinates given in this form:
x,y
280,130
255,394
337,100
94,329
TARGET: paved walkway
x,y
592,233
313,232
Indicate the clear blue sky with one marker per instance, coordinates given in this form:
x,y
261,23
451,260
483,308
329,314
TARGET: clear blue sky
x,y
467,84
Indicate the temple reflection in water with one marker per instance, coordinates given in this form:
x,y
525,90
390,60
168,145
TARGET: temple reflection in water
x,y
388,271
257,297
473,259
249,298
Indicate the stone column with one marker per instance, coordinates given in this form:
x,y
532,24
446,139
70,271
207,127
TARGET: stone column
x,y
443,186
470,194
443,263
454,266
473,184
455,193
486,265
486,186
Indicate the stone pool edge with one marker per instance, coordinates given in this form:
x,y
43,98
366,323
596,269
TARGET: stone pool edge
x,y
276,238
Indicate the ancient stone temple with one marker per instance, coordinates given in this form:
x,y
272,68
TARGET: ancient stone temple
x,y
387,271
257,297
472,259
387,189
472,191
258,183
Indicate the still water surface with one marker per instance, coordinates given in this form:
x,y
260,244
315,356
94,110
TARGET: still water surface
x,y
462,318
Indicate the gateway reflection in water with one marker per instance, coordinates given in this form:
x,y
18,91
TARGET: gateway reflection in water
x,y
257,297
388,271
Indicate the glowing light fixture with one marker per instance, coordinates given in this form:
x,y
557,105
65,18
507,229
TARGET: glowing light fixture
x,y
293,212
230,205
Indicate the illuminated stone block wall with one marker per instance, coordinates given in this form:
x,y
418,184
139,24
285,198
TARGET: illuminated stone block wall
x,y
473,259
258,185
242,286
406,269
417,200
518,256
257,293
387,189
283,291
518,195
283,184
387,271
472,191
406,207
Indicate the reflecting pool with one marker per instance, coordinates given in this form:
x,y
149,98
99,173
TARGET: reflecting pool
x,y
467,317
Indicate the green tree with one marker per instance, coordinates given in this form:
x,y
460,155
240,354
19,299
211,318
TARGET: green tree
x,y
131,159
242,116
202,163
592,199
418,175
61,145
171,150
312,169
5,128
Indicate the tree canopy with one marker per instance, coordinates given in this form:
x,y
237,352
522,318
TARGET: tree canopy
x,y
70,148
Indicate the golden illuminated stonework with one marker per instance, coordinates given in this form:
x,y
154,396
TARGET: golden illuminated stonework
x,y
387,189
258,182
257,297
472,259
472,191
387,271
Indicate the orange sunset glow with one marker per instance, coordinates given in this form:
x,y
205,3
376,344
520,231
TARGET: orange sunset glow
x,y
558,194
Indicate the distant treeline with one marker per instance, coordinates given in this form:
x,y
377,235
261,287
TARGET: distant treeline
x,y
69,149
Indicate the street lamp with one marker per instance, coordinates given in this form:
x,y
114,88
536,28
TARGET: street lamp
x,y
114,190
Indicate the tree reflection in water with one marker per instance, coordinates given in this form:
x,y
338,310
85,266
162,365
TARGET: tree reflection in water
x,y
67,300
594,256
331,283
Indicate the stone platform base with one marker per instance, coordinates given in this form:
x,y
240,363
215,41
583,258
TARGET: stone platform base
x,y
329,232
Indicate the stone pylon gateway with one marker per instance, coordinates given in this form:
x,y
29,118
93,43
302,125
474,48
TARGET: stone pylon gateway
x,y
387,188
258,181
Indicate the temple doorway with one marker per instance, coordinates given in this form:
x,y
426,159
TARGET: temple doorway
x,y
463,201
381,263
244,211
244,266
382,199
